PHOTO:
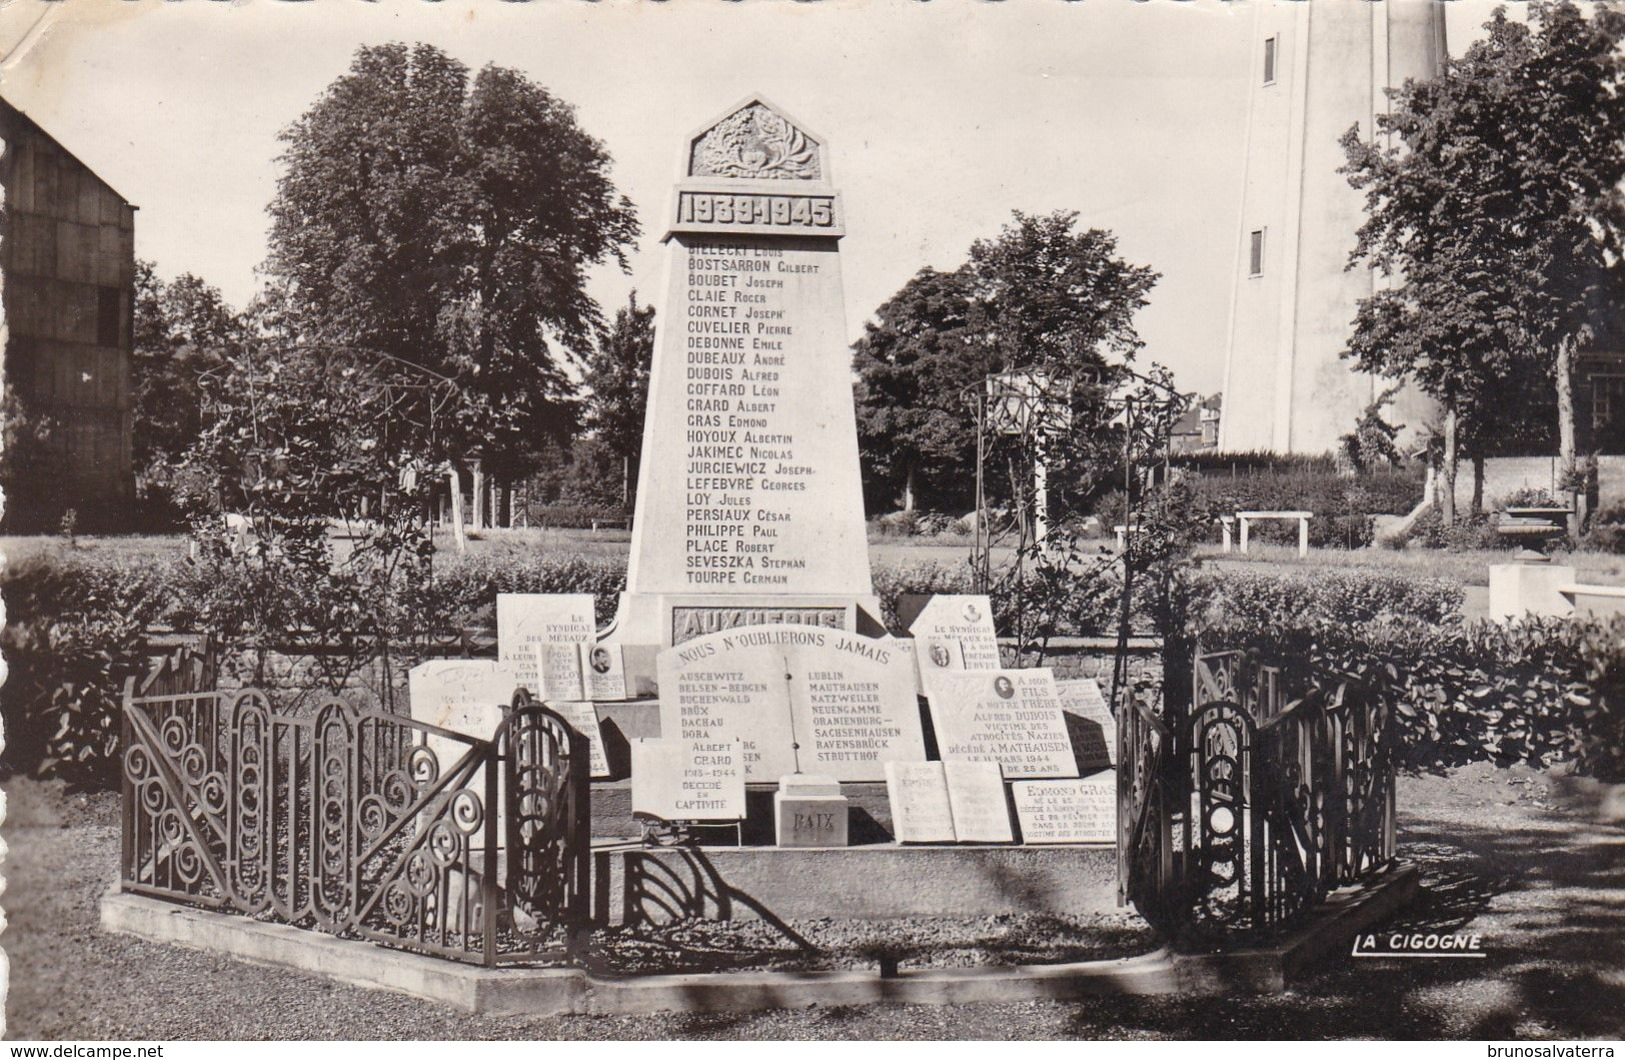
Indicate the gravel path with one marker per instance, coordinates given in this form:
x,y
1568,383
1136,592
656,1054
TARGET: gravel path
x,y
1515,856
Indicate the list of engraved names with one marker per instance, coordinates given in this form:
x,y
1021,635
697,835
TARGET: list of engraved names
x,y
744,473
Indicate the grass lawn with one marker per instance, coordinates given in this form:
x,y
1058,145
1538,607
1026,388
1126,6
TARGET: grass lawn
x,y
1522,858
608,544
1464,568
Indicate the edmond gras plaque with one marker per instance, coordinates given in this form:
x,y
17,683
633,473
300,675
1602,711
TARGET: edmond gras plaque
x,y
750,486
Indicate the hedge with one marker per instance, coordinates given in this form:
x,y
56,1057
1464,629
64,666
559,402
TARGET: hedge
x,y
1535,693
78,627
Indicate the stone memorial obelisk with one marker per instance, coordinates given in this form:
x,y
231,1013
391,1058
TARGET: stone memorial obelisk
x,y
749,506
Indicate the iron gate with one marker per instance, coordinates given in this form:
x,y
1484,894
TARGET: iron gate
x,y
1243,809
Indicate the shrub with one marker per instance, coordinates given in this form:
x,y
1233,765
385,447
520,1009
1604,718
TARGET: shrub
x,y
1343,505
893,580
1607,530
573,517
75,632
898,524
1251,599
463,592
1472,533
1528,497
1536,692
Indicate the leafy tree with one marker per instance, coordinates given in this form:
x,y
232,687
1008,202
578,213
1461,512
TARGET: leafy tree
x,y
912,365
183,329
1372,441
618,387
449,222
1499,208
1041,298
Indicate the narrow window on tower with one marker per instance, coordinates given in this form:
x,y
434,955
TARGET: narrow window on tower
x,y
1269,60
1255,253
109,315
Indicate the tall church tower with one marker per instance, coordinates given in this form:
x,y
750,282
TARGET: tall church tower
x,y
1317,67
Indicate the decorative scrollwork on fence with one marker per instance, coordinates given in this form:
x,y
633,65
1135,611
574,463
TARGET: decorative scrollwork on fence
x,y
361,823
1267,802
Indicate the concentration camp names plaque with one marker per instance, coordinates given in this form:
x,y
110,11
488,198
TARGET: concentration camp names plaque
x,y
1012,717
847,700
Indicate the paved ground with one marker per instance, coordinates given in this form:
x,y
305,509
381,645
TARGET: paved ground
x,y
1521,858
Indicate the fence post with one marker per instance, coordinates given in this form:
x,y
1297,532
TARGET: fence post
x,y
497,755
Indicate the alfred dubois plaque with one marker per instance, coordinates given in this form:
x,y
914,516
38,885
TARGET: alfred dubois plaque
x,y
749,507
1012,717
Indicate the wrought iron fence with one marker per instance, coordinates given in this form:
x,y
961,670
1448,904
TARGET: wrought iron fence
x,y
361,823
1245,808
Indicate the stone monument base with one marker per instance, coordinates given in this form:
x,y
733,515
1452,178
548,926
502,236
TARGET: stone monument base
x,y
1520,589
641,885
647,623
665,619
809,811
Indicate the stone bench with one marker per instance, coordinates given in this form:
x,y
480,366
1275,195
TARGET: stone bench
x,y
1245,518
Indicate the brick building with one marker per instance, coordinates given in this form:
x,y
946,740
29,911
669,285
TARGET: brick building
x,y
67,259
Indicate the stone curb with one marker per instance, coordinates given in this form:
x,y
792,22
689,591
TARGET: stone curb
x,y
557,992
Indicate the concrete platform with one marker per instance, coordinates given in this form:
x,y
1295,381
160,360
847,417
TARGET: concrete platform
x,y
635,884
531,991
621,722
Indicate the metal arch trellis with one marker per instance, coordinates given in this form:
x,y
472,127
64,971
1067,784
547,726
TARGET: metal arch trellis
x,y
385,384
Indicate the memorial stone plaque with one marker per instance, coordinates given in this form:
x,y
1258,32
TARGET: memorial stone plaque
x,y
750,480
848,700
559,669
1096,740
464,695
1011,717
1067,811
967,620
689,780
918,794
527,619
583,718
719,688
976,796
604,668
